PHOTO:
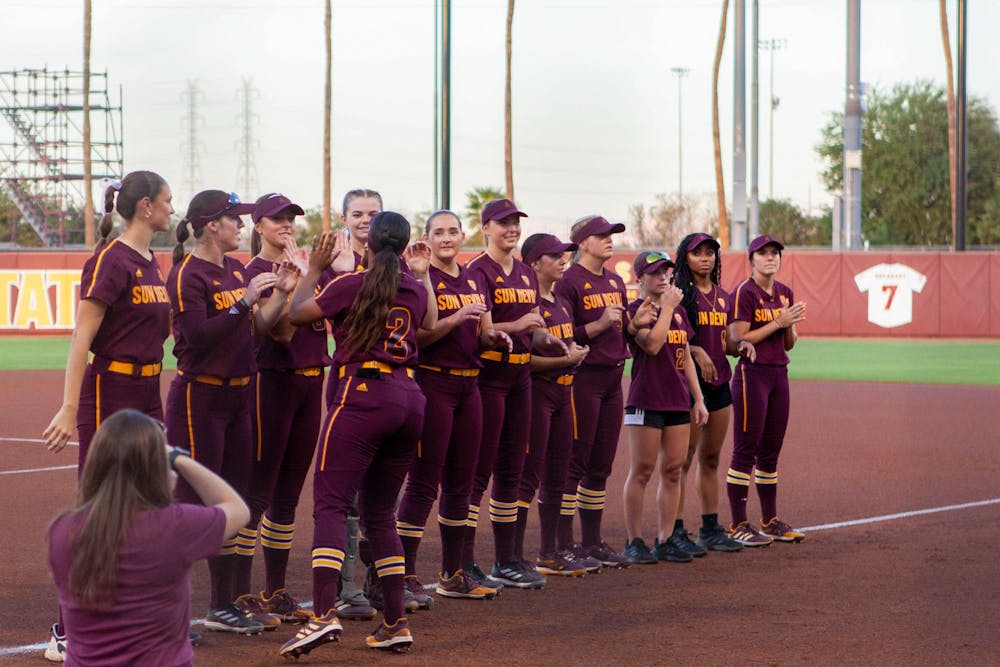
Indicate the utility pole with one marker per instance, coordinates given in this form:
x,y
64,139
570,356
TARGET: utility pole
x,y
753,223
680,73
738,227
772,45
247,143
88,185
961,136
852,130
191,148
444,107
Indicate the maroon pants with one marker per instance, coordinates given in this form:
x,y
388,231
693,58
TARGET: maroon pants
x,y
506,397
760,416
550,443
447,456
367,443
599,406
104,393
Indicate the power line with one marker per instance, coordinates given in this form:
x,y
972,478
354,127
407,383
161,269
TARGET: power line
x,y
191,96
247,172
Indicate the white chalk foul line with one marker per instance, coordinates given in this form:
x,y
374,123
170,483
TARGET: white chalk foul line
x,y
16,650
27,470
901,515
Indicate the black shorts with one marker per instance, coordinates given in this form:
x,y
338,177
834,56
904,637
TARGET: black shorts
x,y
656,418
716,398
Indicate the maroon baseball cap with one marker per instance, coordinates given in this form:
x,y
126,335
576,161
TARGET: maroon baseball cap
x,y
699,238
537,245
271,204
597,226
498,209
648,261
761,241
215,204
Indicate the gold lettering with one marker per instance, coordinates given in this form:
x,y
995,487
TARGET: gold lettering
x,y
32,302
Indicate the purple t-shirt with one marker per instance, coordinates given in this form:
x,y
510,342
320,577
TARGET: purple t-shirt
x,y
509,297
137,320
559,323
659,383
710,331
151,583
212,329
397,341
752,304
308,347
588,295
459,348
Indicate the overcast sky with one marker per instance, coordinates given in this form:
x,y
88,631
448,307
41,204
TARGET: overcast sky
x,y
595,103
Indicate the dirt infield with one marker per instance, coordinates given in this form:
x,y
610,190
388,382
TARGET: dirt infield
x,y
914,589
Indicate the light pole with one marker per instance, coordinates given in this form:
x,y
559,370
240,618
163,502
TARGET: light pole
x,y
680,73
772,45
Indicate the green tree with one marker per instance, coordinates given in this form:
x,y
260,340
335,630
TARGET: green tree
x,y
475,199
671,218
787,222
311,225
906,198
13,229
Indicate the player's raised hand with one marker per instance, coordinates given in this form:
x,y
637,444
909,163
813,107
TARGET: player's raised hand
x,y
343,257
418,258
299,257
288,277
259,284
322,252
646,314
60,429
672,297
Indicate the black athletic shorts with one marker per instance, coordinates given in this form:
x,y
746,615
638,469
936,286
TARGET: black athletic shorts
x,y
656,418
716,398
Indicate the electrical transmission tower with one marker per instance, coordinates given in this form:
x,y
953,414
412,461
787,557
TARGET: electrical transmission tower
x,y
247,173
192,146
42,151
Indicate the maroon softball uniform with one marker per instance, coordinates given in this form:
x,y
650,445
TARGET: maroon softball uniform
x,y
505,389
208,407
368,440
287,408
453,424
658,383
551,439
128,346
760,401
711,331
597,396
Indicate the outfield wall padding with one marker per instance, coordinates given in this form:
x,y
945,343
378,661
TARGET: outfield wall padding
x,y
874,294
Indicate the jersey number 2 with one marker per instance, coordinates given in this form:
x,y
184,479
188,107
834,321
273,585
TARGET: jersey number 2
x,y
398,324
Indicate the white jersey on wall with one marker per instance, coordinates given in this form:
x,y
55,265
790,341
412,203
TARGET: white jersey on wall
x,y
890,290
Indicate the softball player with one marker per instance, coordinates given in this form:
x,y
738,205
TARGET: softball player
x,y
505,388
287,395
368,441
551,439
208,407
658,410
764,313
447,375
596,297
707,306
123,318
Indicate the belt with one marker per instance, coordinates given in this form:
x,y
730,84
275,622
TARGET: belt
x,y
463,372
311,372
219,382
373,369
566,379
126,368
494,355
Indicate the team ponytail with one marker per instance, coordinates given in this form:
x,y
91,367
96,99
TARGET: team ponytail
x,y
255,243
123,196
182,236
388,236
111,188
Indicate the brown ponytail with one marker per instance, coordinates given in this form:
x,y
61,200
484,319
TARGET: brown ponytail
x,y
135,187
182,236
388,236
104,227
255,243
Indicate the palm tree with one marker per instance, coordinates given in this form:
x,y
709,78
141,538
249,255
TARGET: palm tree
x,y
88,211
475,199
507,163
326,121
946,42
720,185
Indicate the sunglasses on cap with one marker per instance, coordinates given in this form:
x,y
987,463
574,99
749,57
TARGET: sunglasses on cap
x,y
234,200
654,257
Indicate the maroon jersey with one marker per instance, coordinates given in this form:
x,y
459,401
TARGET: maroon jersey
x,y
509,297
397,342
359,263
212,326
752,304
459,348
559,323
710,331
137,320
588,295
308,347
659,383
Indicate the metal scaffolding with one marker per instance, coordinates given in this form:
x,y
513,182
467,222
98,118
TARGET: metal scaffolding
x,y
41,147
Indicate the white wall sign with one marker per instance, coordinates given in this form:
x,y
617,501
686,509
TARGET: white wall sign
x,y
890,290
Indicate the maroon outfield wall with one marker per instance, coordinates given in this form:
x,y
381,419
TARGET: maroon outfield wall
x,y
897,294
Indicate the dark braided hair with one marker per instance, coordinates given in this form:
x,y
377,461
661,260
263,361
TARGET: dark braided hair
x,y
684,279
